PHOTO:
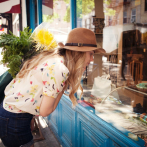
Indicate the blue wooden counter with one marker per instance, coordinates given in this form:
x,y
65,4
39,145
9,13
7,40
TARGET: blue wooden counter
x,y
80,128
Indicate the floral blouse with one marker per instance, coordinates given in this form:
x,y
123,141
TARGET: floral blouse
x,y
24,95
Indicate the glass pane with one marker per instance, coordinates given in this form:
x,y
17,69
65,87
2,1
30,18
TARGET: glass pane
x,y
133,11
85,12
125,20
125,14
125,109
115,83
59,19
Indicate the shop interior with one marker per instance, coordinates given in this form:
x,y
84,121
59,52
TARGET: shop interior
x,y
115,83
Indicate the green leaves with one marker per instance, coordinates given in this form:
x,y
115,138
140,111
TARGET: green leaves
x,y
50,18
108,11
16,49
83,7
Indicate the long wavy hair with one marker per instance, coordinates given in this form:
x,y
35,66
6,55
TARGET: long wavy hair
x,y
73,60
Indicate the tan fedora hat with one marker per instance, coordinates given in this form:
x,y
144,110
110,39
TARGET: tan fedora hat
x,y
81,39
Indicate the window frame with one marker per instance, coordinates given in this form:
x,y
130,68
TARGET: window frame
x,y
124,17
132,15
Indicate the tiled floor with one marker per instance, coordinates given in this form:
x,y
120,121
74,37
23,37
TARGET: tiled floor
x,y
49,141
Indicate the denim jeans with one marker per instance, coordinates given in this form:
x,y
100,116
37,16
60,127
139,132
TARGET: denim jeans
x,y
15,128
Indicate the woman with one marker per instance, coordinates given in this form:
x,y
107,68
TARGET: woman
x,y
38,87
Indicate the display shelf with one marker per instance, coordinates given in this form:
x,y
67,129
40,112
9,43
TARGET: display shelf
x,y
125,109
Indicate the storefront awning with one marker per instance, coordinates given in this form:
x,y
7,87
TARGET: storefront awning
x,y
9,6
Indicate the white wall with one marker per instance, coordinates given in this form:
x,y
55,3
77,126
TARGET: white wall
x,y
24,14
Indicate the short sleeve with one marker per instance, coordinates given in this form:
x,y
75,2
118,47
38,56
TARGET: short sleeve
x,y
54,77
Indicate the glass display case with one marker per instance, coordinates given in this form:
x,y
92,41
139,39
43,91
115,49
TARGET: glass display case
x,y
115,83
123,107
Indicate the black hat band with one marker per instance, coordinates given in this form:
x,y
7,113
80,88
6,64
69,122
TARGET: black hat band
x,y
80,44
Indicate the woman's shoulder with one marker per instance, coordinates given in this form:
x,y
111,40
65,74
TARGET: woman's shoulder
x,y
55,63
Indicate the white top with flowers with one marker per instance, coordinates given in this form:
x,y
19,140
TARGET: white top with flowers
x,y
24,95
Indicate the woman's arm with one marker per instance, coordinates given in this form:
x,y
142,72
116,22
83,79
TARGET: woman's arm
x,y
49,104
57,100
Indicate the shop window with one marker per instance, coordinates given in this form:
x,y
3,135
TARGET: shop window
x,y
85,13
145,5
58,19
59,5
88,23
67,5
133,16
110,20
125,17
117,19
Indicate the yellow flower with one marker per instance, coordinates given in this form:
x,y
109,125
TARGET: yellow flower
x,y
44,39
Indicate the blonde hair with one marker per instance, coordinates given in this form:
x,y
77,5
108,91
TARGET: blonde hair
x,y
73,60
33,62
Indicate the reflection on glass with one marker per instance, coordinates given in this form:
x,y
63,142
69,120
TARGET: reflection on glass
x,y
125,109
85,12
59,19
115,84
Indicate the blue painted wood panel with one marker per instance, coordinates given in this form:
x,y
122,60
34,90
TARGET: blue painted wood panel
x,y
67,125
80,128
89,136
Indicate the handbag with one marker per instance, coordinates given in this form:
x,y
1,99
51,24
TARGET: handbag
x,y
5,79
101,87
